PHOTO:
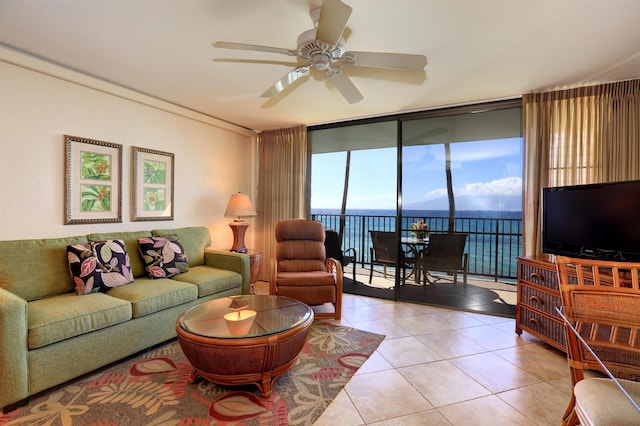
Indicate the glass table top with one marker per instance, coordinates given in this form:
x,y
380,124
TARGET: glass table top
x,y
244,316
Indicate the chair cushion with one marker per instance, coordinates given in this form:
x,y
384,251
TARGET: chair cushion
x,y
311,295
210,280
300,246
599,401
164,257
306,279
99,266
301,265
148,296
299,229
61,317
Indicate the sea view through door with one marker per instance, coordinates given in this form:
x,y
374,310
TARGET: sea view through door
x,y
458,172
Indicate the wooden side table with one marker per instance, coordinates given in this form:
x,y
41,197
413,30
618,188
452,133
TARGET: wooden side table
x,y
255,266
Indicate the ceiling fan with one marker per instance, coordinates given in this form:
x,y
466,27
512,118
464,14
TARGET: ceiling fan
x,y
323,48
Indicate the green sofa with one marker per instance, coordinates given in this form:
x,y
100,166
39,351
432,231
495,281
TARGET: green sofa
x,y
49,334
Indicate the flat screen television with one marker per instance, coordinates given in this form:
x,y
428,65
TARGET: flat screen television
x,y
600,221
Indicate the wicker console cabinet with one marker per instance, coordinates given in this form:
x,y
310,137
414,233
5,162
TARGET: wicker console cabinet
x,y
538,296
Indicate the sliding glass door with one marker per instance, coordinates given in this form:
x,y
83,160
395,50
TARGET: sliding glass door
x,y
461,186
354,172
438,172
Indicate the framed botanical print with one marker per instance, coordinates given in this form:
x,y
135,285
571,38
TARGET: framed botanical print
x,y
152,184
93,181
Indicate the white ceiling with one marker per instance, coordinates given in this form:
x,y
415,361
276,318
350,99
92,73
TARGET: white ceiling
x,y
477,50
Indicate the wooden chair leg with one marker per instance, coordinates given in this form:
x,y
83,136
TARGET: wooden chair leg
x,y
570,418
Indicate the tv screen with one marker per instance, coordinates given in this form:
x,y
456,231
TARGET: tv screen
x,y
599,221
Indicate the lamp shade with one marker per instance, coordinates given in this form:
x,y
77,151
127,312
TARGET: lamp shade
x,y
239,206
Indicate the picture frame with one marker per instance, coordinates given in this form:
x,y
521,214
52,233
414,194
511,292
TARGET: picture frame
x,y
153,179
93,181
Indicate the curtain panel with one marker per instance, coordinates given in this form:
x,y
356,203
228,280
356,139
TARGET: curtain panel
x,y
577,136
282,177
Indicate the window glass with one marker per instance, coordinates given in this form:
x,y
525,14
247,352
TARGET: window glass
x,y
469,157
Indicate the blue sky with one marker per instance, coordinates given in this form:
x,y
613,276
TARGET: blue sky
x,y
479,169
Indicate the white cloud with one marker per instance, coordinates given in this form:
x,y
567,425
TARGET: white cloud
x,y
504,186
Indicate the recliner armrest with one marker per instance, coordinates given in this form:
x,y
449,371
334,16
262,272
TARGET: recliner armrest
x,y
273,276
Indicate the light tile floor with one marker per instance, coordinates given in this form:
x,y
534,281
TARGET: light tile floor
x,y
440,366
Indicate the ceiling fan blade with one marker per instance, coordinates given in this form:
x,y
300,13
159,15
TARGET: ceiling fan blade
x,y
254,47
255,61
285,82
333,20
402,61
344,85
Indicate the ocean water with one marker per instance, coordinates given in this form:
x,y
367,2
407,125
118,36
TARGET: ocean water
x,y
493,245
421,213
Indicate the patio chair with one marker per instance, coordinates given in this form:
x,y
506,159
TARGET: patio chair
x,y
601,305
445,253
301,270
333,246
384,252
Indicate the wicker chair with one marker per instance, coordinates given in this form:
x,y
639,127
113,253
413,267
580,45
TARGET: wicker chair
x,y
601,307
301,270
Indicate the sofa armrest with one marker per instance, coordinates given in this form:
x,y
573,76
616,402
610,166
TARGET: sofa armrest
x,y
14,374
231,261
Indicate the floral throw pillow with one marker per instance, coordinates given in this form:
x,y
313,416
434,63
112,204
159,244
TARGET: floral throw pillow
x,y
164,256
99,266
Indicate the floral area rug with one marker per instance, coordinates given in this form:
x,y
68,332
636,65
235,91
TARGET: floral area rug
x,y
154,389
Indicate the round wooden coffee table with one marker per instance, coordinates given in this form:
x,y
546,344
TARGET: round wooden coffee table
x,y
211,337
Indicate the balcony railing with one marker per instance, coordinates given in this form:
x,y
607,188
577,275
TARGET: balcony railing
x,y
493,244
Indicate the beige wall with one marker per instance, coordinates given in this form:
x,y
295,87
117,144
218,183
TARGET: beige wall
x,y
41,102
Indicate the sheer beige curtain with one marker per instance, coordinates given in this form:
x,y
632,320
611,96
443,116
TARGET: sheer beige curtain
x,y
577,136
282,177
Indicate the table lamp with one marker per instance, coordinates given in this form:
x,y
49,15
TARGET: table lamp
x,y
239,206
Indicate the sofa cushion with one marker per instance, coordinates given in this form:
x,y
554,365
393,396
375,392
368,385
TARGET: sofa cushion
x,y
210,280
61,317
148,296
163,257
194,239
130,239
99,266
35,269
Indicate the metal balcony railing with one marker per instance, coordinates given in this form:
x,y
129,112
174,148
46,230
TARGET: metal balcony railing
x,y
493,246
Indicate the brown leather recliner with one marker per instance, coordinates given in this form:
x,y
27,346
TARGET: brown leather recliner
x,y
301,269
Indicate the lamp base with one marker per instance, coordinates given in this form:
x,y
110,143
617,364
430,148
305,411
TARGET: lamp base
x,y
239,227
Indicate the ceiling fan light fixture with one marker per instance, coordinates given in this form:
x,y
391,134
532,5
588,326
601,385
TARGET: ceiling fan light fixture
x,y
309,47
320,61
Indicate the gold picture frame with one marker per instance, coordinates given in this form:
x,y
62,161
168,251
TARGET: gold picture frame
x,y
153,173
93,181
